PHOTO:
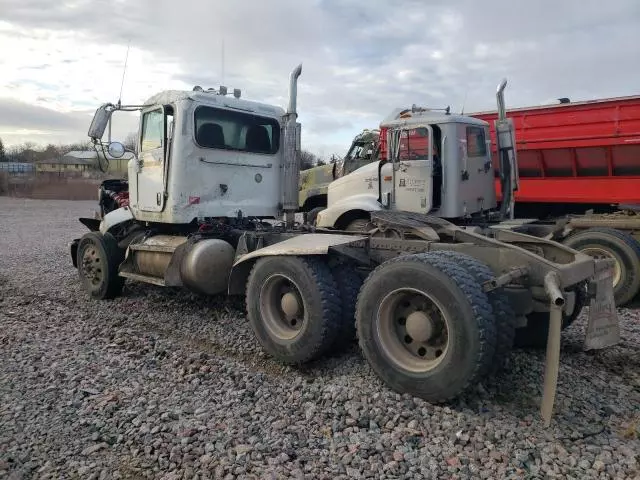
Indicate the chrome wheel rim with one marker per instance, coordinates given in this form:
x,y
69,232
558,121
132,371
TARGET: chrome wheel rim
x,y
282,307
413,330
93,268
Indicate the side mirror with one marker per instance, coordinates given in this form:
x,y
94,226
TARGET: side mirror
x,y
116,149
100,122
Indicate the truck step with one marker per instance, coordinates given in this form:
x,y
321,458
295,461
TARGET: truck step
x,y
143,278
152,248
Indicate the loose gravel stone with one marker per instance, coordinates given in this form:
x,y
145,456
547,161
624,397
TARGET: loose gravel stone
x,y
167,384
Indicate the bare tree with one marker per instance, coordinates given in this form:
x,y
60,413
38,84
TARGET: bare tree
x,y
131,142
307,160
30,152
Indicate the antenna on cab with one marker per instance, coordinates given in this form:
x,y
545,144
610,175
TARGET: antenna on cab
x,y
464,101
124,70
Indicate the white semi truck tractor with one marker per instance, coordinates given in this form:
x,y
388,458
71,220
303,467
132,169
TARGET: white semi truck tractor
x,y
212,194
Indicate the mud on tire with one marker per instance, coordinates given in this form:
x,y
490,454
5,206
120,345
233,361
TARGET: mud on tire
x,y
348,280
502,310
98,259
293,306
463,307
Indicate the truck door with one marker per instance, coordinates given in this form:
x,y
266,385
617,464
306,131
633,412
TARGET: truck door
x,y
477,187
152,157
413,168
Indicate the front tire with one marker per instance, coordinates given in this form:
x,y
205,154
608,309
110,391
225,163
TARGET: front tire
x,y
427,331
361,225
312,215
294,307
98,259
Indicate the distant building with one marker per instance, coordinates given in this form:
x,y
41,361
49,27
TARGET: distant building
x,y
66,165
79,161
17,168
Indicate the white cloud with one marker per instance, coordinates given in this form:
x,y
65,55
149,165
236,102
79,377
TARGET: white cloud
x,y
360,59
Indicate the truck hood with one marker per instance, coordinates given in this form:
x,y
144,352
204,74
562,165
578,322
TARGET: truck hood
x,y
316,176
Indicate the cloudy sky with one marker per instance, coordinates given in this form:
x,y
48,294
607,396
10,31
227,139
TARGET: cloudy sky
x,y
60,60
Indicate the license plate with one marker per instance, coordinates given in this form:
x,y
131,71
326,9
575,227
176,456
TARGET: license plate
x,y
603,329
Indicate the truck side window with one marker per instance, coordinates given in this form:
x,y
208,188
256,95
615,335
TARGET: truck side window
x,y
152,130
476,146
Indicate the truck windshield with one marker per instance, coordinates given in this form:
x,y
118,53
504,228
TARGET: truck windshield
x,y
230,130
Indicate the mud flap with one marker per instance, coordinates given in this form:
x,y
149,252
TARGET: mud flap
x,y
552,364
603,329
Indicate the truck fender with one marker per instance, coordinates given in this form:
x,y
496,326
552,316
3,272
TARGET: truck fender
x,y
115,217
330,215
305,244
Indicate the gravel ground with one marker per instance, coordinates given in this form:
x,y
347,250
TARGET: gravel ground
x,y
166,384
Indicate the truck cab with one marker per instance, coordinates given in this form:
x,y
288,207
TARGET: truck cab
x,y
205,155
430,162
200,154
314,182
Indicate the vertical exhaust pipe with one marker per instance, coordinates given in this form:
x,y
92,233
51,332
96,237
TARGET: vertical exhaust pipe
x,y
502,112
291,160
506,147
293,90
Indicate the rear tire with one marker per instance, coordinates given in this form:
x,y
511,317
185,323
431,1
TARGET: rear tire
x,y
348,281
293,306
426,331
616,244
98,259
502,310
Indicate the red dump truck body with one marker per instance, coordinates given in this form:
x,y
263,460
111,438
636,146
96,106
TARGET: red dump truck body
x,y
582,152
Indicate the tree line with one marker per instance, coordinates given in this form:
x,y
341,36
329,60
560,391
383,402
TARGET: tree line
x,y
29,152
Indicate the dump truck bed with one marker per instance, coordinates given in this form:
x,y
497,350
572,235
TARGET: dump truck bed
x,y
582,152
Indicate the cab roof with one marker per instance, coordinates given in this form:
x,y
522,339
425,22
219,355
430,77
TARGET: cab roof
x,y
428,117
212,99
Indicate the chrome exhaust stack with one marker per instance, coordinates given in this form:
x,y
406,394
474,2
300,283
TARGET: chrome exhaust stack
x,y
291,160
502,112
506,147
293,90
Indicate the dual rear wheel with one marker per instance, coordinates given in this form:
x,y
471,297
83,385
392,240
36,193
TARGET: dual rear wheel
x,y
426,327
300,308
423,322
